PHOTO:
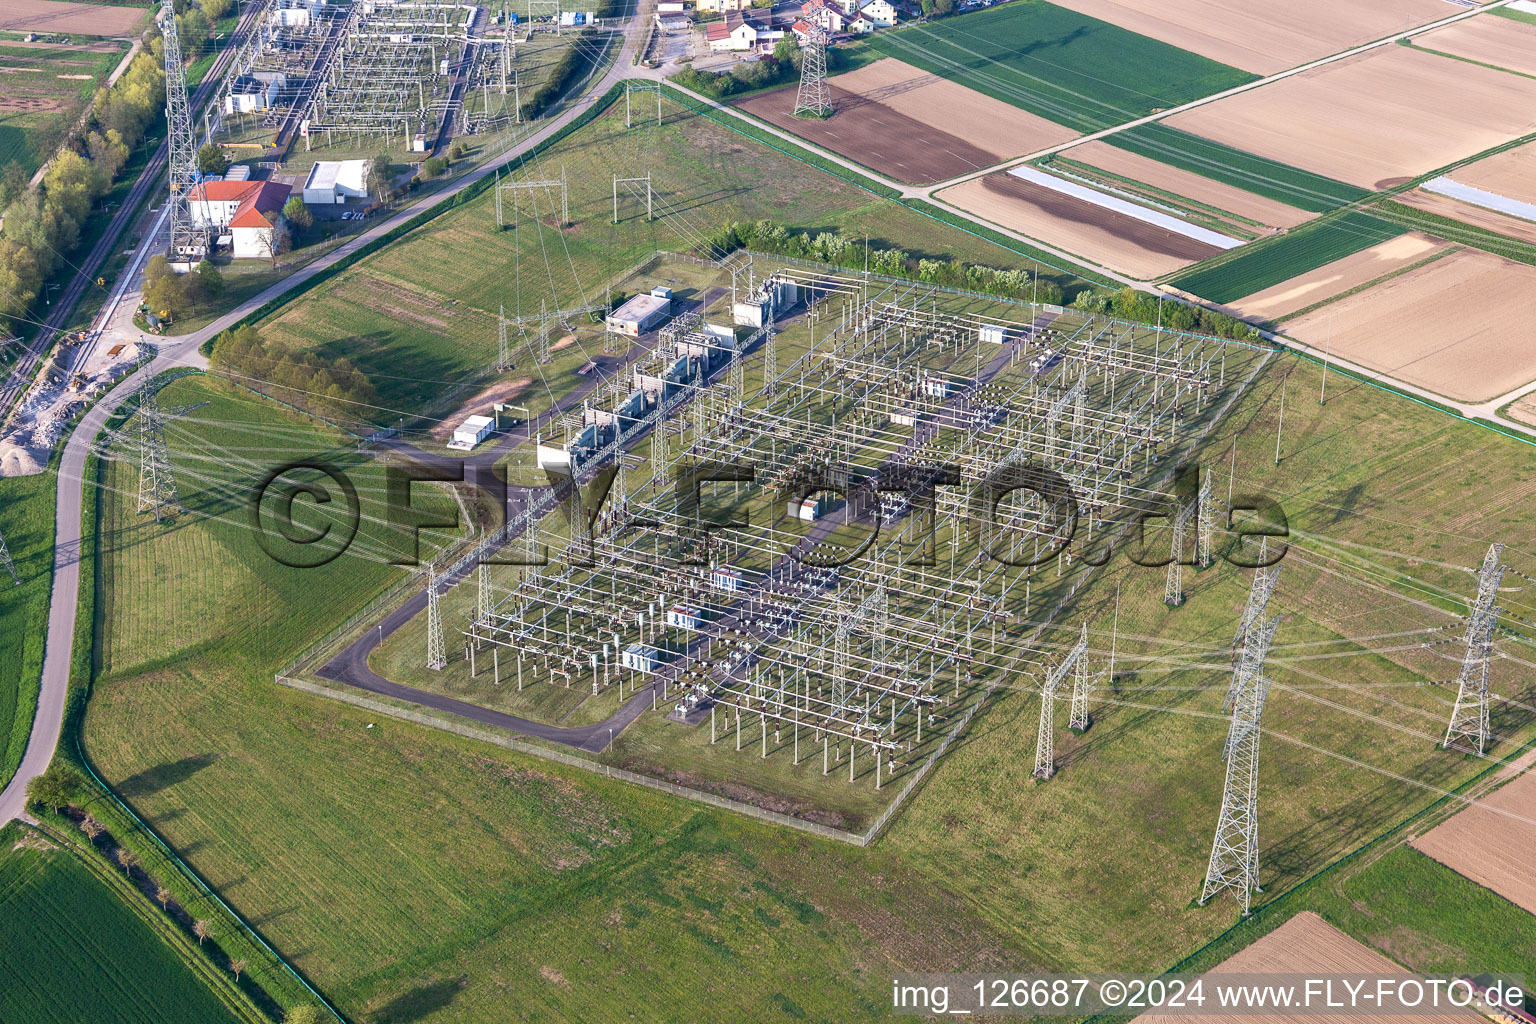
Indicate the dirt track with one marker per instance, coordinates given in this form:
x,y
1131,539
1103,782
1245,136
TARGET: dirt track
x,y
1125,244
1258,35
1458,326
910,125
1492,841
84,19
1308,946
1374,119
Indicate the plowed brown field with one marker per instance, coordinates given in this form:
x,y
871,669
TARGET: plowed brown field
x,y
1511,173
1187,184
1492,842
1468,213
1502,42
910,125
1337,277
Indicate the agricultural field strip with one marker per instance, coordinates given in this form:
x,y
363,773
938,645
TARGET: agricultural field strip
x,y
1195,211
1154,118
1147,73
1178,225
1447,186
1280,258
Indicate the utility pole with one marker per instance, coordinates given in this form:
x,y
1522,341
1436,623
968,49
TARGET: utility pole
x,y
1280,425
1469,718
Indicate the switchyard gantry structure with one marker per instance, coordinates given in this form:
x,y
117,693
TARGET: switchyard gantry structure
x,y
741,623
398,68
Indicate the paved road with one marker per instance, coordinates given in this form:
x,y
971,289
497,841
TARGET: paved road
x,y
58,651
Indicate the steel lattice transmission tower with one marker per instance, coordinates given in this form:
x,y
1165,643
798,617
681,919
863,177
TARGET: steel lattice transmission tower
x,y
5,560
1205,524
1045,739
157,485
1080,684
181,142
1469,718
815,97
1249,628
437,649
1234,864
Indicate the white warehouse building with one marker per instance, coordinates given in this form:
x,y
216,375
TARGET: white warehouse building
x,y
336,181
471,432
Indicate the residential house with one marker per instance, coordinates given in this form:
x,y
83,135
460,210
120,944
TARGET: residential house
x,y
882,13
722,6
831,15
737,32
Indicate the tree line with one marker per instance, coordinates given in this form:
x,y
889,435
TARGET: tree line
x,y
782,67
325,388
855,253
1144,308
43,225
1021,285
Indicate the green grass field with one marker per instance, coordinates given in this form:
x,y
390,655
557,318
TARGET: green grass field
x,y
76,952
45,90
26,523
1072,69
1269,263
1421,913
223,441
1259,175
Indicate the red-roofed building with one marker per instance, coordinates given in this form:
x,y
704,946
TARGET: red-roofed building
x,y
240,209
738,32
